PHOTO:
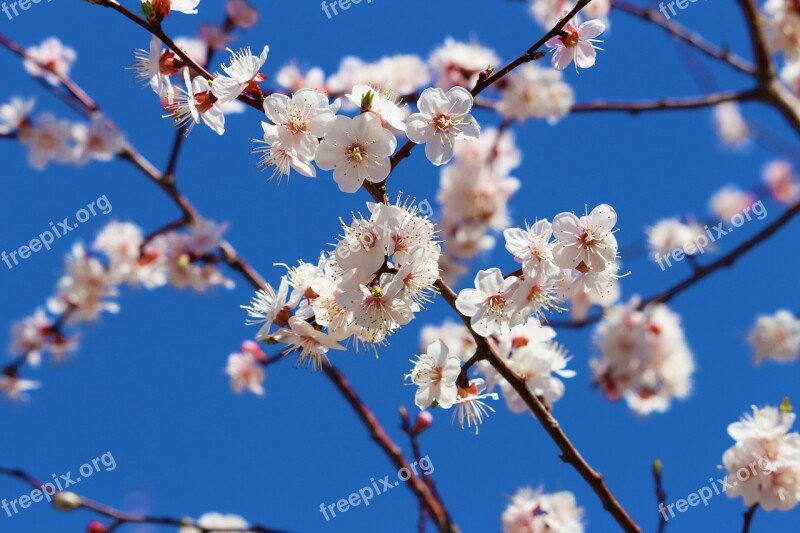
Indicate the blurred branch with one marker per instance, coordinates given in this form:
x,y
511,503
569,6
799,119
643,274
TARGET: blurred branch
x,y
661,495
693,39
118,517
748,518
667,104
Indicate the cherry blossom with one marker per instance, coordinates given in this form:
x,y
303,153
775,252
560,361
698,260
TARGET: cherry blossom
x,y
312,343
435,374
586,243
489,305
357,150
776,337
196,103
535,92
769,456
534,511
645,358
16,388
14,114
301,120
241,13
56,58
245,369
576,43
470,408
382,104
269,307
242,74
459,64
443,118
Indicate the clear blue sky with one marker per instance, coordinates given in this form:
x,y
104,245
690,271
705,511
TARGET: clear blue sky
x,y
148,385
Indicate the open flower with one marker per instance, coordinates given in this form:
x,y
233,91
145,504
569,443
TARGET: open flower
x,y
310,342
357,149
435,373
586,243
245,369
489,304
443,118
576,43
242,71
194,104
301,119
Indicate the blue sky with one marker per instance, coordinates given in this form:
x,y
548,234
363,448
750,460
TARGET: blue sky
x,y
147,385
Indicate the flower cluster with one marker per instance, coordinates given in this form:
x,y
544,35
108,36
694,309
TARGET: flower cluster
x,y
670,234
529,350
535,92
474,193
90,285
198,99
380,273
533,510
763,439
644,357
579,265
49,138
776,337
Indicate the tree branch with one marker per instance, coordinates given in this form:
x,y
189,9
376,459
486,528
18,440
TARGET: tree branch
x,y
120,517
693,39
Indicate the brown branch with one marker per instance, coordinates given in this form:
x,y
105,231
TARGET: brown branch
x,y
378,434
256,101
120,517
765,70
237,263
569,454
661,495
748,518
486,79
667,104
693,39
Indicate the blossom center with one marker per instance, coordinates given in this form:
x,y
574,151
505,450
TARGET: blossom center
x,y
356,152
572,36
443,122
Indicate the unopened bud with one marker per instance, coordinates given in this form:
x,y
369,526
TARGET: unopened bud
x,y
424,421
786,405
96,527
66,501
366,101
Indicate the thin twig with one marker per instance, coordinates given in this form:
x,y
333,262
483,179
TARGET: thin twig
x,y
120,517
687,36
748,518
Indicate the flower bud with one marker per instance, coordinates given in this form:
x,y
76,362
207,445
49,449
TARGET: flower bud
x,y
66,501
96,527
423,422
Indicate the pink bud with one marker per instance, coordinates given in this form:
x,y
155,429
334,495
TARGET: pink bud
x,y
96,527
423,422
